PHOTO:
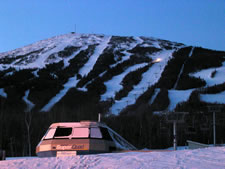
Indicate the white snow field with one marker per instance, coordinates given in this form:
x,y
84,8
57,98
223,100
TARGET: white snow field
x,y
48,47
114,85
207,158
149,78
205,74
30,105
178,96
72,82
218,98
2,93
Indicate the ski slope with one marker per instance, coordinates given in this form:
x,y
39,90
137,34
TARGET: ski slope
x,y
149,78
49,47
40,54
205,74
72,82
3,93
182,68
218,98
114,85
30,105
92,60
208,158
178,96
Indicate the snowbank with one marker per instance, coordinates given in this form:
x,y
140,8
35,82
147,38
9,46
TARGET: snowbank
x,y
212,157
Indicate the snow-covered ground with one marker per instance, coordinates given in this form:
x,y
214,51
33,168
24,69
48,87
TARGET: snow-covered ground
x,y
182,69
156,92
114,85
178,96
45,52
149,78
47,48
72,82
2,93
205,74
30,105
218,98
207,158
92,60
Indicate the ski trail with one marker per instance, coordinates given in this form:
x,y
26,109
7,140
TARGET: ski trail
x,y
156,92
178,96
191,52
128,54
92,60
30,105
149,78
66,60
2,93
205,74
124,58
72,82
182,68
42,57
217,98
114,85
138,39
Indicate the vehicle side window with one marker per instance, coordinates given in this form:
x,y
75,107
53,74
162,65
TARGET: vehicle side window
x,y
80,133
96,133
63,132
105,134
50,134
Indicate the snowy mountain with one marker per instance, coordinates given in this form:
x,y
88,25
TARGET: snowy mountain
x,y
76,76
79,60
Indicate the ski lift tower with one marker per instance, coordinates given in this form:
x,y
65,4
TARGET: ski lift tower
x,y
175,117
214,109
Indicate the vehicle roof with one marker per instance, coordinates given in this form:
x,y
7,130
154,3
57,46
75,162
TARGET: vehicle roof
x,y
78,124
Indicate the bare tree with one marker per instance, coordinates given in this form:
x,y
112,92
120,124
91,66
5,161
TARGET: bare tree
x,y
28,119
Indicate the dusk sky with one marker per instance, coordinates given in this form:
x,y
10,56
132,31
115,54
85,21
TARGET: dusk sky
x,y
192,22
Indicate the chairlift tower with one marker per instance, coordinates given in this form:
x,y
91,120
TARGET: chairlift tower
x,y
214,109
175,117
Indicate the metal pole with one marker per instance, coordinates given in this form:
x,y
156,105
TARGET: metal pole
x,y
174,136
214,128
99,117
